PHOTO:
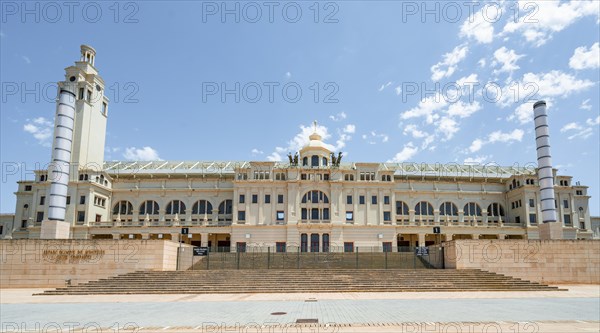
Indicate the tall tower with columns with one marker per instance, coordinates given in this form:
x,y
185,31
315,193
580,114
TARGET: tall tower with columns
x,y
91,112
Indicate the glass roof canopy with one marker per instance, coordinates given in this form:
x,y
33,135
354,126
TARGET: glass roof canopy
x,y
128,168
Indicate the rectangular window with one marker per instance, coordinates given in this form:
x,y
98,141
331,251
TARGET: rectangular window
x,y
1,229
98,217
27,188
241,246
566,203
348,247
518,219
387,216
386,200
267,198
104,108
82,200
303,176
241,215
23,223
387,246
532,219
348,199
349,216
81,93
68,200
242,198
576,192
39,217
567,219
531,203
304,214
361,199
89,96
280,198
374,200
254,198
42,200
280,247
280,215
81,216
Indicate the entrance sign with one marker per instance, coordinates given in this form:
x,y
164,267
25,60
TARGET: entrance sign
x,y
422,251
185,231
200,250
437,230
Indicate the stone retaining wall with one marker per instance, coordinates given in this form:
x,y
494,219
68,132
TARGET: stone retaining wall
x,y
50,263
548,261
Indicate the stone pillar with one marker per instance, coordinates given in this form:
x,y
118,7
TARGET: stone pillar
x,y
501,236
475,236
116,236
421,239
145,235
204,239
449,237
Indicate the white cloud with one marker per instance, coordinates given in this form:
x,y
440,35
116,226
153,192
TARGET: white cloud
x,y
585,105
256,152
506,59
26,59
398,90
338,117
556,83
542,86
383,86
349,129
374,137
463,110
479,27
523,113
582,132
302,139
497,136
549,17
414,131
448,127
593,122
569,127
584,58
448,65
476,145
407,152
141,154
41,129
476,160
481,62
426,108
288,75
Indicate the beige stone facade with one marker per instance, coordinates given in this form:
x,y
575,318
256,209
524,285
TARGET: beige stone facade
x,y
314,200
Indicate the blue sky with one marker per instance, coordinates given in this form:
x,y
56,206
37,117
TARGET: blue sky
x,y
364,58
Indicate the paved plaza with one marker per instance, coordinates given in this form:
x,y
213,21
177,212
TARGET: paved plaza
x,y
576,310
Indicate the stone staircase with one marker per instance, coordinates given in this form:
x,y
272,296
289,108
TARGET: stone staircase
x,y
301,281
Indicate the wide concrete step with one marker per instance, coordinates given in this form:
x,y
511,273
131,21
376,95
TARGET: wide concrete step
x,y
300,281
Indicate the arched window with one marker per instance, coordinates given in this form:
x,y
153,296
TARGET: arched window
x,y
423,208
401,208
495,209
315,197
149,207
305,161
123,208
314,161
176,207
448,208
315,206
324,161
202,207
325,242
303,242
226,207
472,209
